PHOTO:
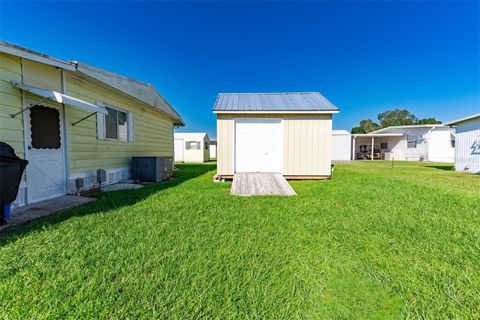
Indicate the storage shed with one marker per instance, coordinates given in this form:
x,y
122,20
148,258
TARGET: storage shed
x,y
192,147
467,143
341,146
288,133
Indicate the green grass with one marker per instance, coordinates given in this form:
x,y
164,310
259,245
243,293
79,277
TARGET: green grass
x,y
372,243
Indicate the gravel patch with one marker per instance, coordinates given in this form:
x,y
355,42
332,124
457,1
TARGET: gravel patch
x,y
121,186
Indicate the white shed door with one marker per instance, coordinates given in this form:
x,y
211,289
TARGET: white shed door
x,y
258,146
178,150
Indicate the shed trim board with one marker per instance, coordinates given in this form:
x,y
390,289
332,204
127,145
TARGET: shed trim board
x,y
238,121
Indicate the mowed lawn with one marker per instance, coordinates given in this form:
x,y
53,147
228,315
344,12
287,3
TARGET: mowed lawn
x,y
372,243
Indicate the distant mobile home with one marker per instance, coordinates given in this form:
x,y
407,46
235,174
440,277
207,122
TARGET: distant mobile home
x,y
431,142
69,119
287,133
213,149
192,147
467,143
341,146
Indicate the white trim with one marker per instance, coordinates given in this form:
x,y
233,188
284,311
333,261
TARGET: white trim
x,y
473,116
409,127
25,135
275,112
377,134
35,56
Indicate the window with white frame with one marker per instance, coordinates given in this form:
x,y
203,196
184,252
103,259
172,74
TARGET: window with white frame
x,y
116,125
452,140
412,141
192,145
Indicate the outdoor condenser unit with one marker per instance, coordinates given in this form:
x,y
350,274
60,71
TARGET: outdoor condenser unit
x,y
152,169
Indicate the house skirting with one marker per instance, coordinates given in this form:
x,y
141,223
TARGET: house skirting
x,y
90,178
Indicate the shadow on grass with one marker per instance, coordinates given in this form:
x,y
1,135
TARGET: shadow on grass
x,y
106,201
442,167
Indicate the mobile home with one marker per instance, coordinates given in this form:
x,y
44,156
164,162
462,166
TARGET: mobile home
x,y
69,119
430,142
467,143
341,146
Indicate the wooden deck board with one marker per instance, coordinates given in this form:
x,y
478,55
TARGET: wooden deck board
x,y
259,184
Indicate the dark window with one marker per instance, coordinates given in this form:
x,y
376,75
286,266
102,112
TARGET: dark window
x,y
193,145
206,145
116,125
384,145
111,124
412,141
45,127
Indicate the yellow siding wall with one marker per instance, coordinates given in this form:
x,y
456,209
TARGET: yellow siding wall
x,y
11,129
307,143
153,132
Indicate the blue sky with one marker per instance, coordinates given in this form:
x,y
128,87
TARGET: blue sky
x,y
365,57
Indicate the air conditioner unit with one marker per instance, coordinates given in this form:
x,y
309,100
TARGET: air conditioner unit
x,y
152,169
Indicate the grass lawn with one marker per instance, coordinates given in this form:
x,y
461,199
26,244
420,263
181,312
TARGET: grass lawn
x,y
372,243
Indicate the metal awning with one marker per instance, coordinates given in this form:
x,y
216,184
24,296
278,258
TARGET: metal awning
x,y
60,98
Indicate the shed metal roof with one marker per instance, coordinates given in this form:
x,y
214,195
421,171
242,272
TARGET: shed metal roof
x,y
268,102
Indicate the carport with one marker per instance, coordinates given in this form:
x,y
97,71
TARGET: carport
x,y
370,139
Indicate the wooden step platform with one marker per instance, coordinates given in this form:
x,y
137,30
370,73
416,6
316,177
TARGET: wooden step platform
x,y
260,184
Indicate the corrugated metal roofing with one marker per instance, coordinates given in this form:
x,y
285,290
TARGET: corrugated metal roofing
x,y
284,101
136,89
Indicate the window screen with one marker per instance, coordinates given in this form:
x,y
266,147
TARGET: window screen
x,y
116,125
111,124
45,127
122,126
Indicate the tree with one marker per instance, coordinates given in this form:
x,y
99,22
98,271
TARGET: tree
x,y
366,126
358,130
428,121
397,117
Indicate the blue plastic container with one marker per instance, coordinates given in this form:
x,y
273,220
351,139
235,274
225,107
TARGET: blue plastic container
x,y
6,209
